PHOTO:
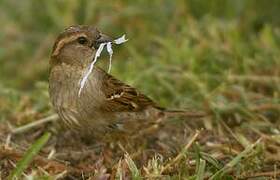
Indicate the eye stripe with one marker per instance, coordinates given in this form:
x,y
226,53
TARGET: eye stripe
x,y
65,40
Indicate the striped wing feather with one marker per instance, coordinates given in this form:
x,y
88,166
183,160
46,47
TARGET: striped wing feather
x,y
122,97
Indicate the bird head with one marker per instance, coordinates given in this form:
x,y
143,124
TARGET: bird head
x,y
77,45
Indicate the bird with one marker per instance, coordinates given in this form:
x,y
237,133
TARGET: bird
x,y
106,104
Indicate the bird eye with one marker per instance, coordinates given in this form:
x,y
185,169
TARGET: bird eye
x,y
82,40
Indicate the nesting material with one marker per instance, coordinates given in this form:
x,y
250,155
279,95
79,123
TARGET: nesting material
x,y
97,55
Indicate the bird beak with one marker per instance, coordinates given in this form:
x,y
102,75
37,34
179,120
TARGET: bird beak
x,y
104,38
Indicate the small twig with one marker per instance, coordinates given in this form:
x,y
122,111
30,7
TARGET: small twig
x,y
8,141
33,124
61,175
181,155
51,154
121,147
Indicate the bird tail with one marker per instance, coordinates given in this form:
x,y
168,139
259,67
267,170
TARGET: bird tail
x,y
183,113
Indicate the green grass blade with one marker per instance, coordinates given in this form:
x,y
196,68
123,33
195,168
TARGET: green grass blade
x,y
234,161
201,170
133,168
29,155
211,160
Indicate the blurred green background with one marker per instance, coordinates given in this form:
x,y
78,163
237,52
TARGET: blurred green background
x,y
181,53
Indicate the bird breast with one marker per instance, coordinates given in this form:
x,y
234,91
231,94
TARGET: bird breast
x,y
64,87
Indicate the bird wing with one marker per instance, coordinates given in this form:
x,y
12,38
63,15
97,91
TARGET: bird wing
x,y
121,97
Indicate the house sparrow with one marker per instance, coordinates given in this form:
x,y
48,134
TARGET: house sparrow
x,y
105,104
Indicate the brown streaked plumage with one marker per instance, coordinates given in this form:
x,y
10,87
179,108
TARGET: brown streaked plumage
x,y
105,104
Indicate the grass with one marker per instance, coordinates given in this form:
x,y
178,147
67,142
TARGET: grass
x,y
29,156
220,56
